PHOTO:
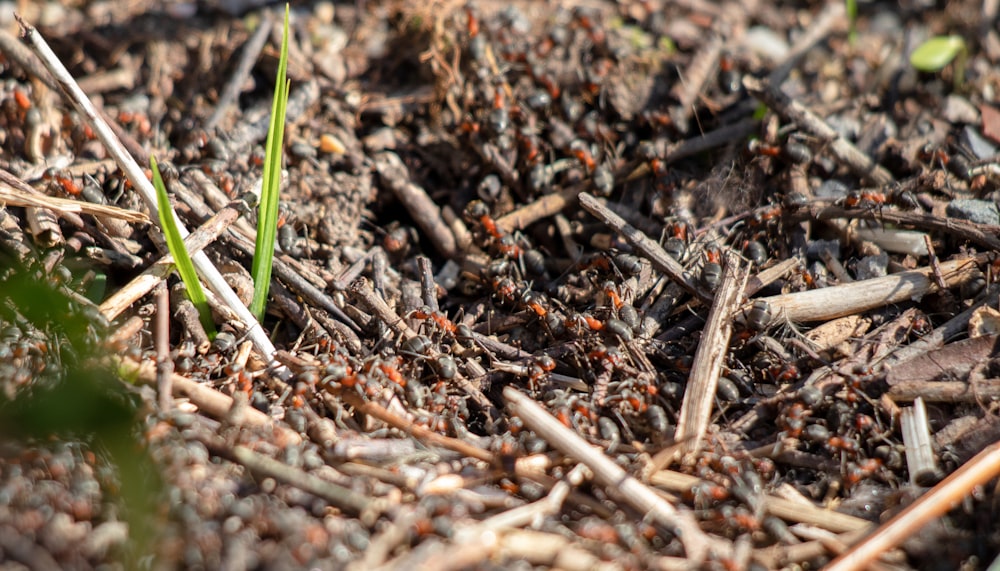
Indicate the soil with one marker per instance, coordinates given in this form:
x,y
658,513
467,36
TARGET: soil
x,y
578,285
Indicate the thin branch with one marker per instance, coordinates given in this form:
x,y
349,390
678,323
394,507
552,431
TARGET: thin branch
x,y
856,297
696,410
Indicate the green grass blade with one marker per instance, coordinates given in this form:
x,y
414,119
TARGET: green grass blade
x,y
267,214
937,52
175,243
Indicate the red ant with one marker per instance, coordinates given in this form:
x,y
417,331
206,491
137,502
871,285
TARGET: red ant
x,y
757,147
864,199
66,183
471,22
437,317
611,291
855,473
581,320
793,419
579,150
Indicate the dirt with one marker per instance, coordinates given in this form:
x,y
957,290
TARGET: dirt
x,y
559,285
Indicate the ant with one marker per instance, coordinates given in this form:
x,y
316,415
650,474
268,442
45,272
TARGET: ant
x,y
65,183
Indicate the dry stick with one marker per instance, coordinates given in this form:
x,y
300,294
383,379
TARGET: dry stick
x,y
145,188
830,18
126,333
939,500
644,245
420,433
693,80
207,399
521,516
680,522
147,280
428,288
794,112
932,261
338,496
187,315
946,391
18,193
696,409
788,510
251,49
916,431
417,202
847,299
161,337
981,234
249,132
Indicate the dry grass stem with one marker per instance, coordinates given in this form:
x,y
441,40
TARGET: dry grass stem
x,y
857,297
696,409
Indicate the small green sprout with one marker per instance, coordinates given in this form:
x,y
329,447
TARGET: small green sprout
x,y
936,53
851,7
267,214
175,243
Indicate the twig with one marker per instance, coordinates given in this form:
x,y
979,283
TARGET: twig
x,y
644,245
18,193
147,280
932,261
794,112
682,524
428,289
551,550
939,500
836,268
789,510
338,496
696,409
916,431
417,202
248,132
295,281
420,433
161,338
33,63
946,391
981,234
187,315
139,181
551,204
846,299
251,49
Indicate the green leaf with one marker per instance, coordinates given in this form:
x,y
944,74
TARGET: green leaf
x,y
267,214
936,53
175,243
